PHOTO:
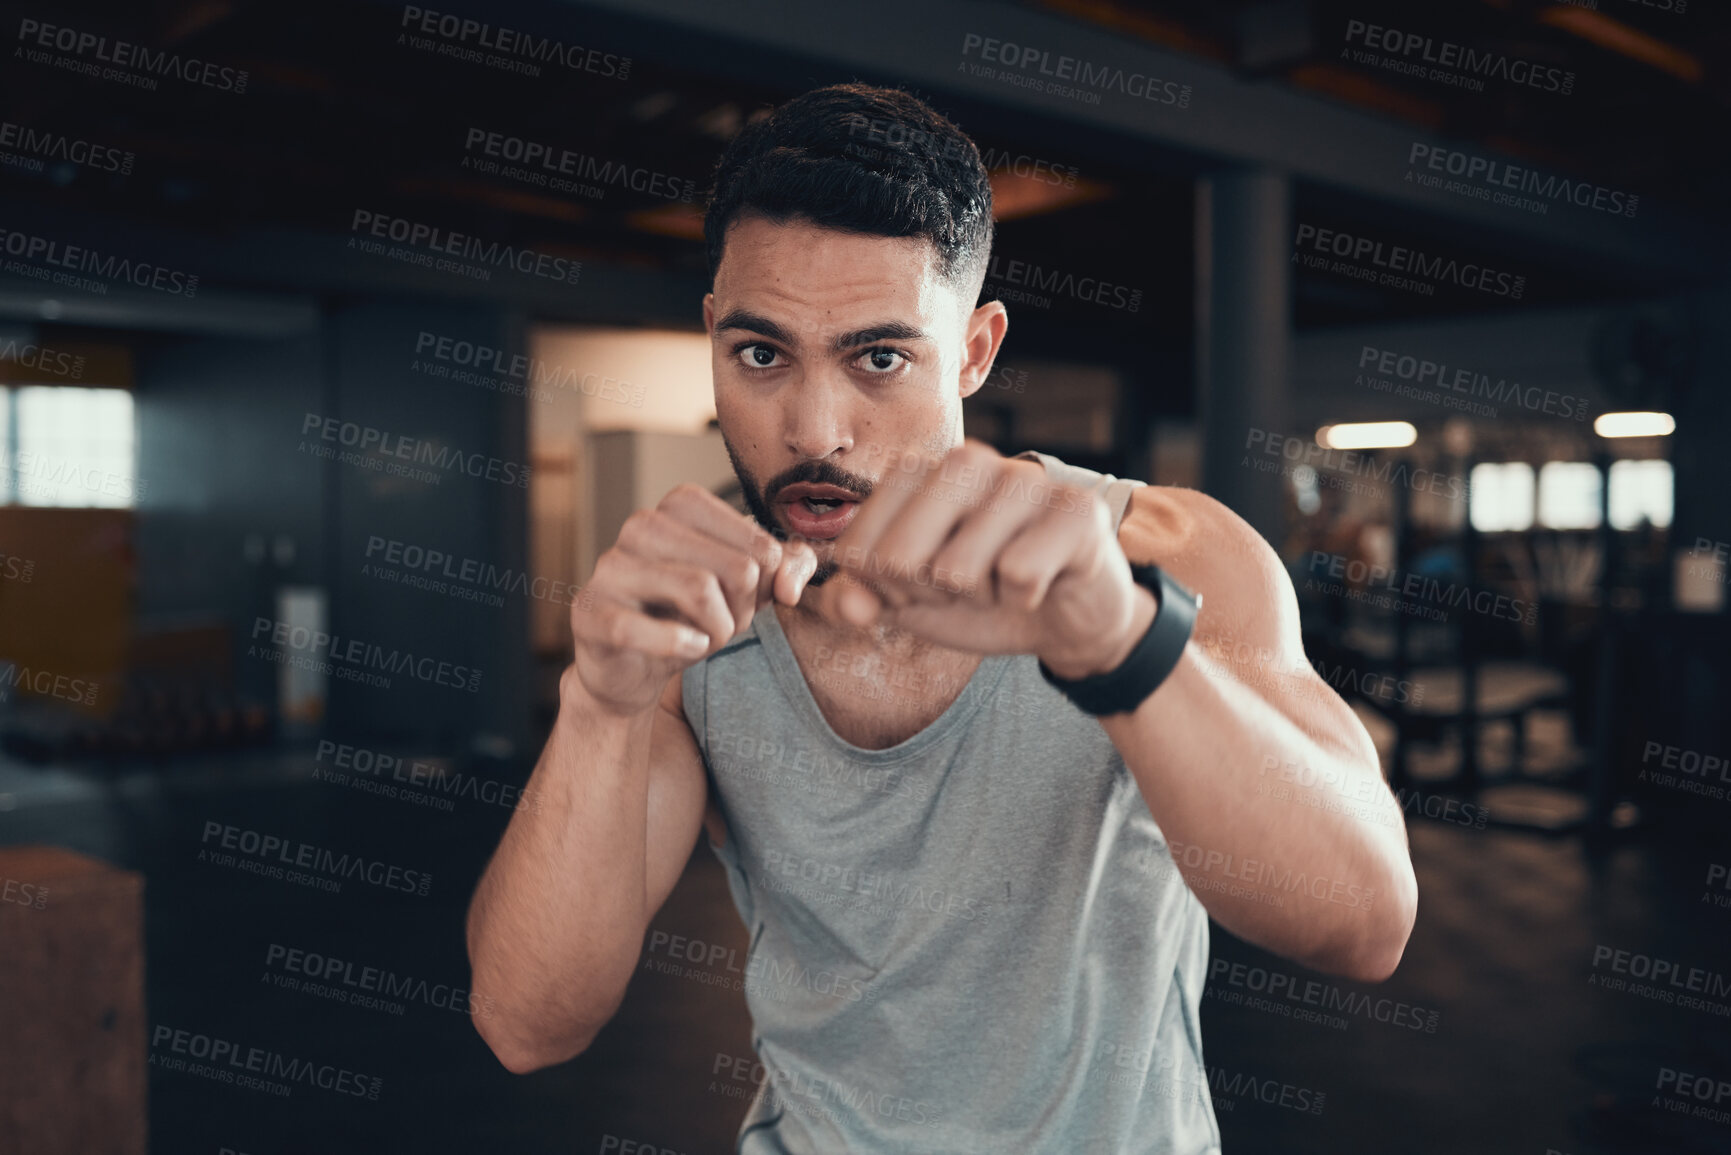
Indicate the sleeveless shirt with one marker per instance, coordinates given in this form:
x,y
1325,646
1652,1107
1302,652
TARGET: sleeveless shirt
x,y
972,941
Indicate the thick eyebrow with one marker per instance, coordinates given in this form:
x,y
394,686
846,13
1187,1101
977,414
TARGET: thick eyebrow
x,y
882,331
745,319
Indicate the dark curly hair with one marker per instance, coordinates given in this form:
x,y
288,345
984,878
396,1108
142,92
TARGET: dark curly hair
x,y
860,159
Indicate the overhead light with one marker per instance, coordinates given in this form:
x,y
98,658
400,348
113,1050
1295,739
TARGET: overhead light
x,y
1367,435
1634,425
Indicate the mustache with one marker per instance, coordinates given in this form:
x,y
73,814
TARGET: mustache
x,y
818,473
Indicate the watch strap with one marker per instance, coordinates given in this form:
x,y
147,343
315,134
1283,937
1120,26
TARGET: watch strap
x,y
1150,662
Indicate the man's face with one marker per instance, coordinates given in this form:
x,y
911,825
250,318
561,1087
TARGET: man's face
x,y
834,355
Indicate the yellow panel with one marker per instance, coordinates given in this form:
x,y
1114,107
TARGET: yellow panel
x,y
66,602
52,362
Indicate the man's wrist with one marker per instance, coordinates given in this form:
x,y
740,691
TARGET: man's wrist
x,y
1144,607
579,707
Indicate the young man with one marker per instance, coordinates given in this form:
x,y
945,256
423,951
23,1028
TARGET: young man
x,y
975,792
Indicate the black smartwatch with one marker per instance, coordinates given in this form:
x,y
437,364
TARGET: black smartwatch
x,y
1121,690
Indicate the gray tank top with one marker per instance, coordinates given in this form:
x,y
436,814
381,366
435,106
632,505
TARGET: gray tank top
x,y
973,941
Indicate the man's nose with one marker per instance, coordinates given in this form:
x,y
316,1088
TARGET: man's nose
x,y
817,423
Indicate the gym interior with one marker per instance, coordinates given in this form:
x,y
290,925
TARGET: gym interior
x,y
298,491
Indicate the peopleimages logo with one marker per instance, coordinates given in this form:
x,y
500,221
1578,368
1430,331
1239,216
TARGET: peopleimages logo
x,y
1437,374
265,851
1071,77
1266,876
1305,453
226,1061
1660,980
516,373
42,359
120,55
57,262
505,48
1447,56
369,439
327,976
352,659
876,891
1359,575
23,893
45,683
460,246
893,134
1398,259
463,577
424,783
560,168
1326,997
790,1090
1025,274
1501,175
39,144
40,474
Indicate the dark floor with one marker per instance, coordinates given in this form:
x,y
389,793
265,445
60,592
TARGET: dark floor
x,y
1527,1056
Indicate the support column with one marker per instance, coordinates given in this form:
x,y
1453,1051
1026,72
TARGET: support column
x,y
1243,335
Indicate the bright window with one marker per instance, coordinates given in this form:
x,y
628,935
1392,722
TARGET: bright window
x,y
1640,490
1570,495
67,446
1501,496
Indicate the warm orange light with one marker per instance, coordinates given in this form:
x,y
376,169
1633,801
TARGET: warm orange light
x,y
675,220
1040,190
1615,36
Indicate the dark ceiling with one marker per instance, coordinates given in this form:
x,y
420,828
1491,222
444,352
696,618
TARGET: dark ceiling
x,y
339,115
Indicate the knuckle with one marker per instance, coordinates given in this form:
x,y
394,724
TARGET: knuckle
x,y
742,573
606,567
637,528
616,631
684,495
699,583
1017,574
769,548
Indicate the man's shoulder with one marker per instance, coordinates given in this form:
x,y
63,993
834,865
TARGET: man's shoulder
x,y
1114,491
1247,593
1171,520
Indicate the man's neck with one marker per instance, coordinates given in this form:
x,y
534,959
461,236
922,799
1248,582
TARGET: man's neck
x,y
876,686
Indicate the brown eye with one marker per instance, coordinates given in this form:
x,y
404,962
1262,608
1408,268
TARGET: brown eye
x,y
881,360
758,357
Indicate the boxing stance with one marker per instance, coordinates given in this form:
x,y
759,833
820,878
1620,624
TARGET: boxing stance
x,y
981,741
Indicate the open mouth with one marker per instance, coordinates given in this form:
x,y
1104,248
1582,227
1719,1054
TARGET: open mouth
x,y
818,512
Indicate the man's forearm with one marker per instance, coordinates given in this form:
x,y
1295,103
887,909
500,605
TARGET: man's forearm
x,y
556,922
1283,828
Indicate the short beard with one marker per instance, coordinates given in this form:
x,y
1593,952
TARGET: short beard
x,y
759,500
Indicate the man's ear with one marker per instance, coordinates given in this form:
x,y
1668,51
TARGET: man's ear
x,y
709,313
982,336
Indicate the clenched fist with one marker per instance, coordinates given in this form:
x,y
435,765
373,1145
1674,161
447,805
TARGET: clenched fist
x,y
682,580
980,552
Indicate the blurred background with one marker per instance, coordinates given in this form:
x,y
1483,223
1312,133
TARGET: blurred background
x,y
338,339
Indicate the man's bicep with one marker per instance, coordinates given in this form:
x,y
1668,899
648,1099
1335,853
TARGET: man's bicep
x,y
1248,628
1248,603
678,797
